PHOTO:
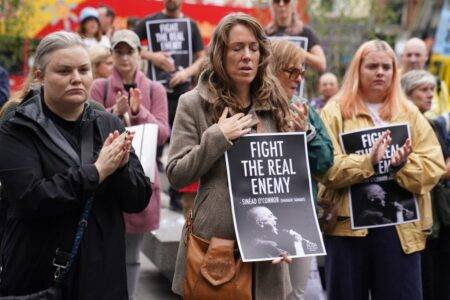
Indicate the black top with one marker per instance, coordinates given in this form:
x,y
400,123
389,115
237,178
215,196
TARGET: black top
x,y
71,130
307,32
440,134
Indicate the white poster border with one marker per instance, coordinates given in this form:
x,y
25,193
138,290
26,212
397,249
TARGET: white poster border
x,y
149,40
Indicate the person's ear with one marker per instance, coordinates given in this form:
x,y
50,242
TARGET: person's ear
x,y
39,76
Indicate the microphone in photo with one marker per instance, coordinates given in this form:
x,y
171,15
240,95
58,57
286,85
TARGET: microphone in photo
x,y
311,246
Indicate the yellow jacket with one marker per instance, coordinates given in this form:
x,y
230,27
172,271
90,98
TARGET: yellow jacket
x,y
419,175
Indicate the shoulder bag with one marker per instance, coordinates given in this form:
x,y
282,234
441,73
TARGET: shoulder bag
x,y
214,269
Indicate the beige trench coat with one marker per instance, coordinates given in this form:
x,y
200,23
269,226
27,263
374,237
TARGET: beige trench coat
x,y
197,152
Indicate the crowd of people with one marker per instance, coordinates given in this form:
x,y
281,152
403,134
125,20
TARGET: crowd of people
x,y
75,202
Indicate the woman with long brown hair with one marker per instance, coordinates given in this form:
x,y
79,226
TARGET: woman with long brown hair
x,y
235,88
383,260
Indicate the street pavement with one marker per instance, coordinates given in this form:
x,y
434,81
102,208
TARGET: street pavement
x,y
152,284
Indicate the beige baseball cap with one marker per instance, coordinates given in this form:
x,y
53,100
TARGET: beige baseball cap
x,y
125,36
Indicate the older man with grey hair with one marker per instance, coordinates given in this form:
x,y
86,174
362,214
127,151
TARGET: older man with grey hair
x,y
414,57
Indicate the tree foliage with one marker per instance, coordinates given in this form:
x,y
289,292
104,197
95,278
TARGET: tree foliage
x,y
13,16
342,33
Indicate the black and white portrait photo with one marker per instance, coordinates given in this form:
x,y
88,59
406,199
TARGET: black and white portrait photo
x,y
266,239
378,206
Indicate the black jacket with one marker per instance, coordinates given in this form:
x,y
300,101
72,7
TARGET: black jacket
x,y
45,189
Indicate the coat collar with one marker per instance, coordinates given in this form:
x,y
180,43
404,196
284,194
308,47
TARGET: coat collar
x,y
32,112
208,96
31,108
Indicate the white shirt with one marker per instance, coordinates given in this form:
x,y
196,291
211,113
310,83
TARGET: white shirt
x,y
93,41
374,112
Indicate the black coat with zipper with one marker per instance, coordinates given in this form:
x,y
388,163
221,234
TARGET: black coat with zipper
x,y
46,186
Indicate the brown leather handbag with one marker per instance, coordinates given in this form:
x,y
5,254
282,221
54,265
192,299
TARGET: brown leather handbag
x,y
212,269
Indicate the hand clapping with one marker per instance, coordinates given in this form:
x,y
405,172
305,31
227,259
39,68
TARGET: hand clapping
x,y
379,148
401,155
135,100
121,106
300,119
114,154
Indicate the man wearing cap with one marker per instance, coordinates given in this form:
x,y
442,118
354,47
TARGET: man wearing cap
x,y
129,94
178,77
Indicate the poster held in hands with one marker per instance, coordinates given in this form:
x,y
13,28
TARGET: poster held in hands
x,y
379,200
271,197
171,36
144,144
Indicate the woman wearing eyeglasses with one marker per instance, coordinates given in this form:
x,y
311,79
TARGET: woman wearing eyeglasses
x,y
287,65
287,23
129,94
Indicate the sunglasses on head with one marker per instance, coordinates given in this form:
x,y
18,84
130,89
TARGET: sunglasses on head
x,y
279,1
295,72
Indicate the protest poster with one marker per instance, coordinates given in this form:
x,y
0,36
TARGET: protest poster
x,y
379,200
271,197
172,36
302,42
144,143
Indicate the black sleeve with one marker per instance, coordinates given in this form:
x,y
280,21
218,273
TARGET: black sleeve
x,y
26,188
197,41
440,134
140,29
4,86
129,184
312,37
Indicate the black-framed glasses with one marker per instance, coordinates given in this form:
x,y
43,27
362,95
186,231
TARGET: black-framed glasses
x,y
279,1
295,72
